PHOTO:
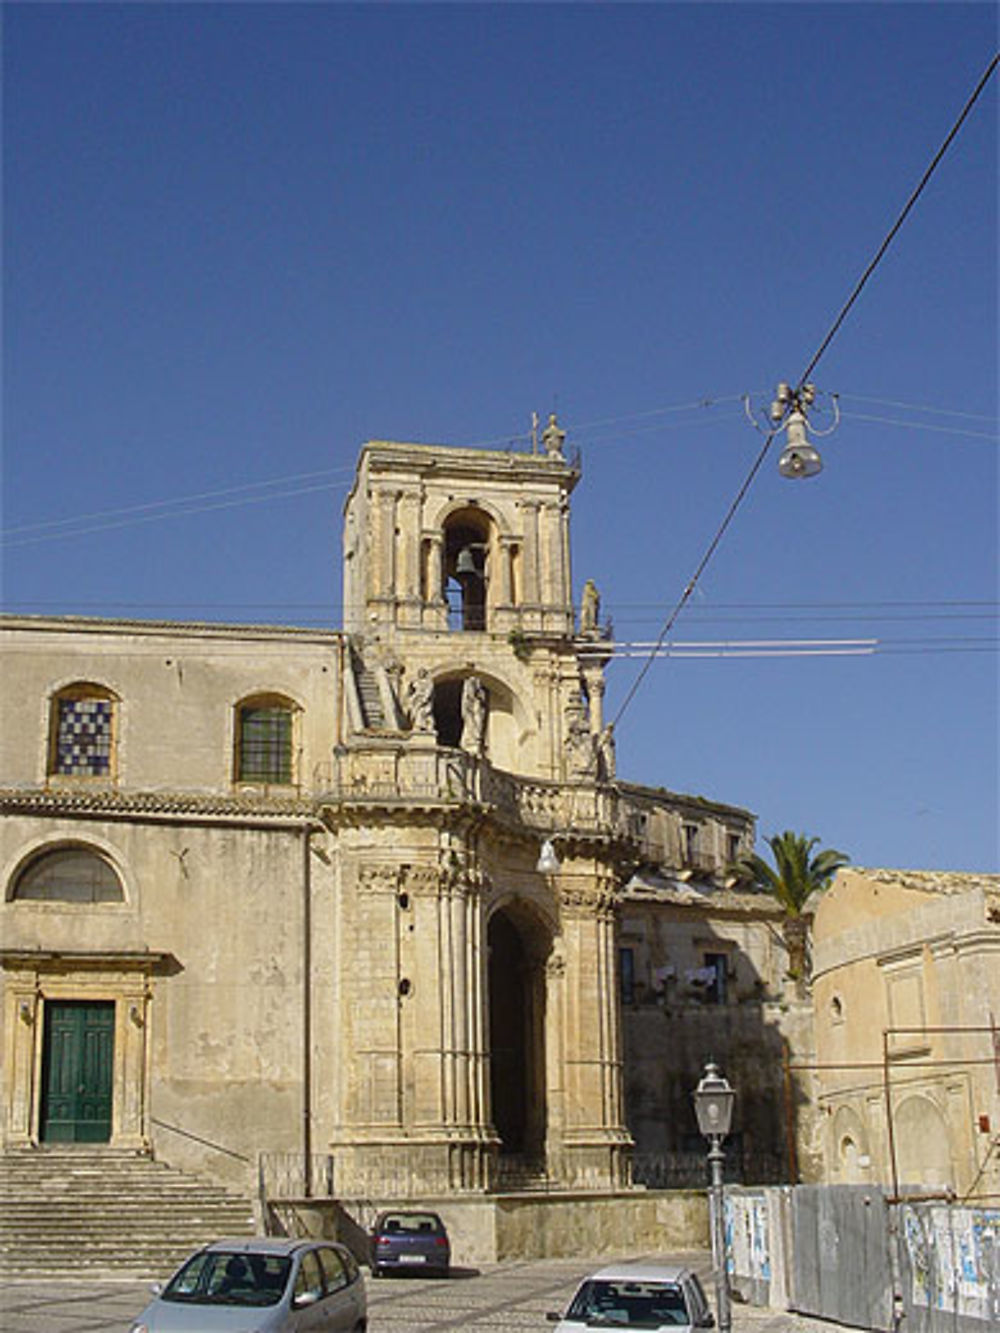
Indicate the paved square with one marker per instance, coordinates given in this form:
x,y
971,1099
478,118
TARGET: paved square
x,y
504,1298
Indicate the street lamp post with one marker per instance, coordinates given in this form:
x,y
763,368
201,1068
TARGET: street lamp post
x,y
713,1105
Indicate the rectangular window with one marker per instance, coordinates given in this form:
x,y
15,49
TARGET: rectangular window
x,y
690,844
715,991
732,846
265,745
83,737
626,975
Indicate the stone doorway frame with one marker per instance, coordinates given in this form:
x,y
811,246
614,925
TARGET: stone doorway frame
x,y
32,980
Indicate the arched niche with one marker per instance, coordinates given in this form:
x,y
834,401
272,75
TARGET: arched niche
x,y
923,1152
850,1147
507,721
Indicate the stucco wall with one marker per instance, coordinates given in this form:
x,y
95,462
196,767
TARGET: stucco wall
x,y
177,691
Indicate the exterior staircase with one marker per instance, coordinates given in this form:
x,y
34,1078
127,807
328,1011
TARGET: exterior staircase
x,y
371,701
104,1212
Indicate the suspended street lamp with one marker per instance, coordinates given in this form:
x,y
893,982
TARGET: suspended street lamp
x,y
789,412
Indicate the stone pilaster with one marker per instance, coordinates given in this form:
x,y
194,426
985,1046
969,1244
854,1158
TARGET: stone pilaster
x,y
595,1141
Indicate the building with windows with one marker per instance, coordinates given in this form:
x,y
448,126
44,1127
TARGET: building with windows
x,y
273,890
906,992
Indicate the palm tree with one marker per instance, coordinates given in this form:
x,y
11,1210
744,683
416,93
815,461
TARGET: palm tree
x,y
798,875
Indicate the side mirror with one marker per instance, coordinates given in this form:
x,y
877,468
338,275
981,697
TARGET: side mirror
x,y
304,1298
156,1289
553,1316
707,1322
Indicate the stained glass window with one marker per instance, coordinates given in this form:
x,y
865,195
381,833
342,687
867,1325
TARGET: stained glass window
x,y
84,735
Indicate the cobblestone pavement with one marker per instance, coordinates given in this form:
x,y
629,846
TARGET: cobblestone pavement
x,y
504,1298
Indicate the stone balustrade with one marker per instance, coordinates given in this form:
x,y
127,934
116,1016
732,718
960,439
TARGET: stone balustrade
x,y
412,771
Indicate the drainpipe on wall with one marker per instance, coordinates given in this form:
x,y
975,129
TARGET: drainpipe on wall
x,y
307,1008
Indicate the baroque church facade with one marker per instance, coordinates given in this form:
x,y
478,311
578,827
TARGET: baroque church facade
x,y
355,893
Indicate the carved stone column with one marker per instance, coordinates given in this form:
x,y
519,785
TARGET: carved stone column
x,y
595,1140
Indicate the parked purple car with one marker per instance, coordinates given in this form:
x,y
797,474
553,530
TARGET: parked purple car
x,y
412,1242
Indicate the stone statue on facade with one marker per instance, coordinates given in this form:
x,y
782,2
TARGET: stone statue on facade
x,y
473,716
579,740
605,743
590,608
552,437
420,701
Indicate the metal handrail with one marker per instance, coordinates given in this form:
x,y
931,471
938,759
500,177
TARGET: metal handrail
x,y
197,1138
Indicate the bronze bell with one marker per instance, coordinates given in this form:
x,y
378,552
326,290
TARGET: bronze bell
x,y
466,563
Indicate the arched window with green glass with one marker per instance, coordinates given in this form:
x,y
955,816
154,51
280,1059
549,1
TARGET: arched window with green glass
x,y
266,740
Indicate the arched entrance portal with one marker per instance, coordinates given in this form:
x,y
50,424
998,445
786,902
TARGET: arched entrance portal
x,y
518,948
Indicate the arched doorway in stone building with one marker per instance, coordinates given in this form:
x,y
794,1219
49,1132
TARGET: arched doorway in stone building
x,y
519,944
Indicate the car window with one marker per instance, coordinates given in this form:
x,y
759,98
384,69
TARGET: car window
x,y
309,1278
630,1304
698,1300
221,1277
333,1270
410,1223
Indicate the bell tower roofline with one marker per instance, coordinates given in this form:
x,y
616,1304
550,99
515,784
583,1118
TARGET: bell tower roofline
x,y
458,461
438,537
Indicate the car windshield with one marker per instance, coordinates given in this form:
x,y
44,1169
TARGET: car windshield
x,y
619,1304
224,1277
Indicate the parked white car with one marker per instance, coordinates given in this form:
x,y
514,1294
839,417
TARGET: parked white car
x,y
634,1296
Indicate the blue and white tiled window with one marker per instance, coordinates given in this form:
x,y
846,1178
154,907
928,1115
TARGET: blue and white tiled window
x,y
83,740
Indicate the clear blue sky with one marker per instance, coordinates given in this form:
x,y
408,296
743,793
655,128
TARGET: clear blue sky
x,y
239,240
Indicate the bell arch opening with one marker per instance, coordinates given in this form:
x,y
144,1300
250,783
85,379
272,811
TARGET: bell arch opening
x,y
518,946
467,539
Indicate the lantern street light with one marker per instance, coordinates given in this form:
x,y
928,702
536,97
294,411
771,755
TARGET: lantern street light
x,y
713,1104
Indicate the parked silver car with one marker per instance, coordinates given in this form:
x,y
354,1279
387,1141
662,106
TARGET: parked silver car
x,y
634,1296
267,1285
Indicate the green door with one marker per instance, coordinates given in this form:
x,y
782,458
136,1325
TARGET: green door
x,y
76,1072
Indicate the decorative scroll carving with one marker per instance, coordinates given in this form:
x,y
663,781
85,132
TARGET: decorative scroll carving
x,y
422,881
588,895
379,878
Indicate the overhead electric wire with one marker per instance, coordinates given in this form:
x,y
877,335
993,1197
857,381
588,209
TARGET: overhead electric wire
x,y
993,437
277,488
184,499
916,407
803,379
173,513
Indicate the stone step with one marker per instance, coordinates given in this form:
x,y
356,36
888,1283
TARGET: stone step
x,y
107,1213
